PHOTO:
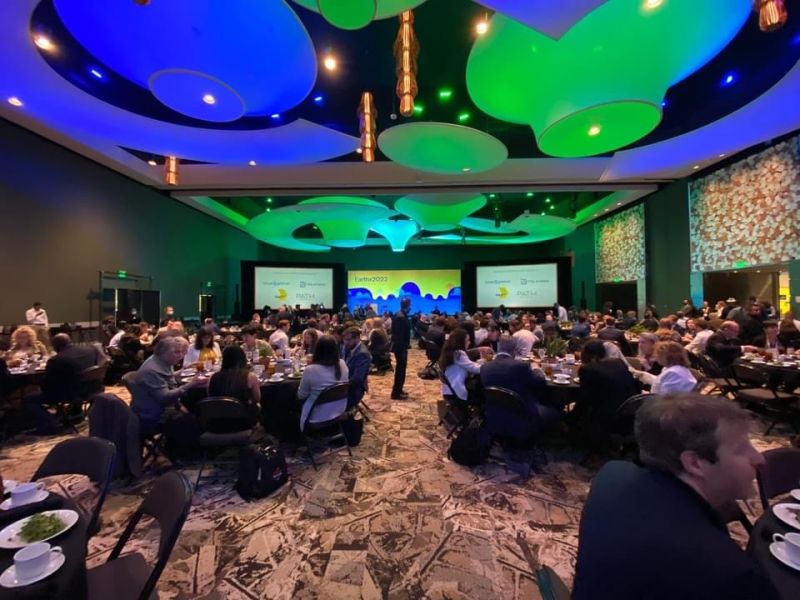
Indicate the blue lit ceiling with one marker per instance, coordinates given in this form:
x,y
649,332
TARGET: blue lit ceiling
x,y
128,83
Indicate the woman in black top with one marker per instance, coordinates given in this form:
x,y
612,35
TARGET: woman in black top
x,y
234,380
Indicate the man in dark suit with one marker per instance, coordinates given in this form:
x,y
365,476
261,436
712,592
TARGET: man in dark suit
x,y
61,381
654,531
435,334
358,360
610,333
517,376
724,347
401,338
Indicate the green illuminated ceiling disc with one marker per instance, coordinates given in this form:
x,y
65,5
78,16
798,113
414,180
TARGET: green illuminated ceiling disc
x,y
600,129
442,148
348,14
440,212
385,8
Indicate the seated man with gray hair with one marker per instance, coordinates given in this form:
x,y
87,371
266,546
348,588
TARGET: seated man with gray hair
x,y
155,393
654,531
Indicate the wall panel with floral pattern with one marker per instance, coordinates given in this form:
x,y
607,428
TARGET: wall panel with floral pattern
x,y
747,213
619,246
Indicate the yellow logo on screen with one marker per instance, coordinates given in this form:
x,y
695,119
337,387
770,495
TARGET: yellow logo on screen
x,y
502,292
282,294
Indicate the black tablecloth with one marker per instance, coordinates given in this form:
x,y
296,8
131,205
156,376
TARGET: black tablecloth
x,y
70,580
280,409
787,376
785,579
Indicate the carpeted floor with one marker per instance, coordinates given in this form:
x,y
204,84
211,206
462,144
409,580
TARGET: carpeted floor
x,y
397,520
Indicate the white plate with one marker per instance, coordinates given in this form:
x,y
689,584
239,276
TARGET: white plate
x,y
9,537
778,550
9,504
561,381
275,380
785,513
9,577
795,494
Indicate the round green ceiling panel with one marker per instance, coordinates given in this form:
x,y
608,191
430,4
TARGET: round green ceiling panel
x,y
344,221
350,9
529,228
276,226
600,86
442,148
348,14
439,212
398,233
487,226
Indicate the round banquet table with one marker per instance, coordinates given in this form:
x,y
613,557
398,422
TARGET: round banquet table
x,y
785,579
70,580
786,374
280,409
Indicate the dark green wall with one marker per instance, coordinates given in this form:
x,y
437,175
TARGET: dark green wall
x,y
63,218
580,245
667,243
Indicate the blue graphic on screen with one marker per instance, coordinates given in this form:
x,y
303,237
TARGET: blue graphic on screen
x,y
428,290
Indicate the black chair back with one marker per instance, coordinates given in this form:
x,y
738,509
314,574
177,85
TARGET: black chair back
x,y
779,473
551,587
432,350
506,415
443,378
128,379
168,502
333,393
88,456
219,414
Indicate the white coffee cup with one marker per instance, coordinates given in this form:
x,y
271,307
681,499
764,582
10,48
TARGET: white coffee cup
x,y
561,376
31,561
276,377
791,542
25,492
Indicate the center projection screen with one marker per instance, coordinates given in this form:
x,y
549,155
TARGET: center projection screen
x,y
517,286
428,290
293,285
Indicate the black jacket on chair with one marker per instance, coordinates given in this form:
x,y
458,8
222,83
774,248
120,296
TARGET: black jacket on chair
x,y
646,534
62,373
517,376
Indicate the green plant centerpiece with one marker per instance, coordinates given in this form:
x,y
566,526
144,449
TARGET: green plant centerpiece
x,y
555,347
636,329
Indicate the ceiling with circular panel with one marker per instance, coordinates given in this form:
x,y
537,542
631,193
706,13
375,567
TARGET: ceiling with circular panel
x,y
459,90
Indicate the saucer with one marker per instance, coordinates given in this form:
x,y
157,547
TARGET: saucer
x,y
9,577
275,379
778,550
9,504
795,494
562,381
786,513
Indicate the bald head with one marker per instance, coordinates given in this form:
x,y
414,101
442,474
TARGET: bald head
x,y
61,341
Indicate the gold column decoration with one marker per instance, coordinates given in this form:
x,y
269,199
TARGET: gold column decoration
x,y
366,124
171,170
772,14
406,51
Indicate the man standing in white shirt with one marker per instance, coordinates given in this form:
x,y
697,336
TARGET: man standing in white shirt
x,y
36,317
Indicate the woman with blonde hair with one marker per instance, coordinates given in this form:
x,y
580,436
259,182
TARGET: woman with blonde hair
x,y
676,376
24,344
665,332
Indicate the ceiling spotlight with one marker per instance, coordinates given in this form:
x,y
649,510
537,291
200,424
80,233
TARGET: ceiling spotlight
x,y
651,4
722,155
275,116
252,163
466,170
14,101
482,26
209,99
729,79
330,62
463,117
529,194
619,203
43,42
152,162
594,130
696,167
547,200
96,73
359,150
318,99
664,103
445,94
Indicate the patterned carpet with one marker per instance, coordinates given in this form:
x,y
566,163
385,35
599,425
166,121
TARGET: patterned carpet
x,y
397,520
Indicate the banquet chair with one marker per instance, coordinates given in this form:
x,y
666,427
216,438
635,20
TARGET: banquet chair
x,y
129,576
551,586
153,442
89,456
721,380
756,388
225,423
510,423
779,474
336,393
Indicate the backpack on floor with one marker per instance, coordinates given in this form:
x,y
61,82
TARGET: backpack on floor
x,y
471,446
262,470
428,373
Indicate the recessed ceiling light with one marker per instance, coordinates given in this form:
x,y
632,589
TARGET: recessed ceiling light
x,y
96,73
722,155
43,42
463,117
209,99
619,203
594,130
252,163
482,26
664,103
728,79
275,116
606,210
651,4
529,194
445,94
492,195
696,167
318,99
152,162
14,101
269,200
466,169
359,150
547,200
330,62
